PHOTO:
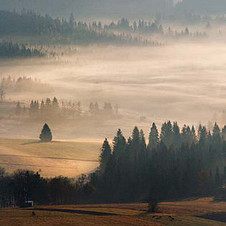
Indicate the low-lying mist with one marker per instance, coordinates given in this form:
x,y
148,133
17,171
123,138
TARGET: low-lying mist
x,y
183,82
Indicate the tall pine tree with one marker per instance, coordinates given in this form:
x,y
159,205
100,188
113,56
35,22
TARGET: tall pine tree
x,y
105,155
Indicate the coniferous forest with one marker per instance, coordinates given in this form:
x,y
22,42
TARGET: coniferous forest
x,y
57,30
13,50
172,164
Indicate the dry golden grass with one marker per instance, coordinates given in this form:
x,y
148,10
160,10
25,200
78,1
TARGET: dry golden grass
x,y
24,217
194,207
172,213
53,159
190,207
126,214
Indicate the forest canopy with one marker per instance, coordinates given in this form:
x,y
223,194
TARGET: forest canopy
x,y
173,164
56,30
13,50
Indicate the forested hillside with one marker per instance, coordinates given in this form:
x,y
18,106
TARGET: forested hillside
x,y
12,50
29,24
91,8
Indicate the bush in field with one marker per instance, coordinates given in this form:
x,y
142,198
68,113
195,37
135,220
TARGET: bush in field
x,y
46,134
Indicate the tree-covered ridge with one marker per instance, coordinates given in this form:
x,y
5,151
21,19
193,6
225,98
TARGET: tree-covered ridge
x,y
59,30
174,163
11,50
91,8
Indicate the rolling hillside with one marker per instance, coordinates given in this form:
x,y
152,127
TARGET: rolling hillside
x,y
51,159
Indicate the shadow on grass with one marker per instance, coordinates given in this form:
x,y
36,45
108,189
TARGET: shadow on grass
x,y
86,212
220,216
36,142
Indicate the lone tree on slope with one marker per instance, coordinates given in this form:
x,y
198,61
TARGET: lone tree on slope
x,y
46,135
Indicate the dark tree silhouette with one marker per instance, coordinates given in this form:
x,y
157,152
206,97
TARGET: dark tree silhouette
x,y
46,135
105,155
177,164
153,137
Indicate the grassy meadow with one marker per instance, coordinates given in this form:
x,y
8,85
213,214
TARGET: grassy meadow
x,y
192,212
51,159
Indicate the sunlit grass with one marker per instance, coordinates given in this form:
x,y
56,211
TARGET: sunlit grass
x,y
53,159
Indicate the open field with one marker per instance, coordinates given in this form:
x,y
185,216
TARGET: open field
x,y
190,212
53,159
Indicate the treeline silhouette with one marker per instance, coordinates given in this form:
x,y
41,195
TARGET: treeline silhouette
x,y
173,164
24,185
149,27
64,109
28,23
11,50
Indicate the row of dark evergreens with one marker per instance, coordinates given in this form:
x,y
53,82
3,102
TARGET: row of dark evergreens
x,y
54,109
172,164
63,30
9,50
148,27
58,30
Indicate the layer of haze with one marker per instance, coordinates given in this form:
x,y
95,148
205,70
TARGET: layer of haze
x,y
182,82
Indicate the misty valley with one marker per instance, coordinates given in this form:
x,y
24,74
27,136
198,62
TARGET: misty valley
x,y
112,112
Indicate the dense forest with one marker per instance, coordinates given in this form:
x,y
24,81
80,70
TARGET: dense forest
x,y
108,8
91,8
100,9
69,31
173,164
13,50
58,30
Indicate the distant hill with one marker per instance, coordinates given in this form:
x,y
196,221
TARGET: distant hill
x,y
202,6
91,8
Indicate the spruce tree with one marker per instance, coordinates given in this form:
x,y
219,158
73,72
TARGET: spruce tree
x,y
153,138
167,134
105,155
119,144
224,133
217,137
176,136
46,135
